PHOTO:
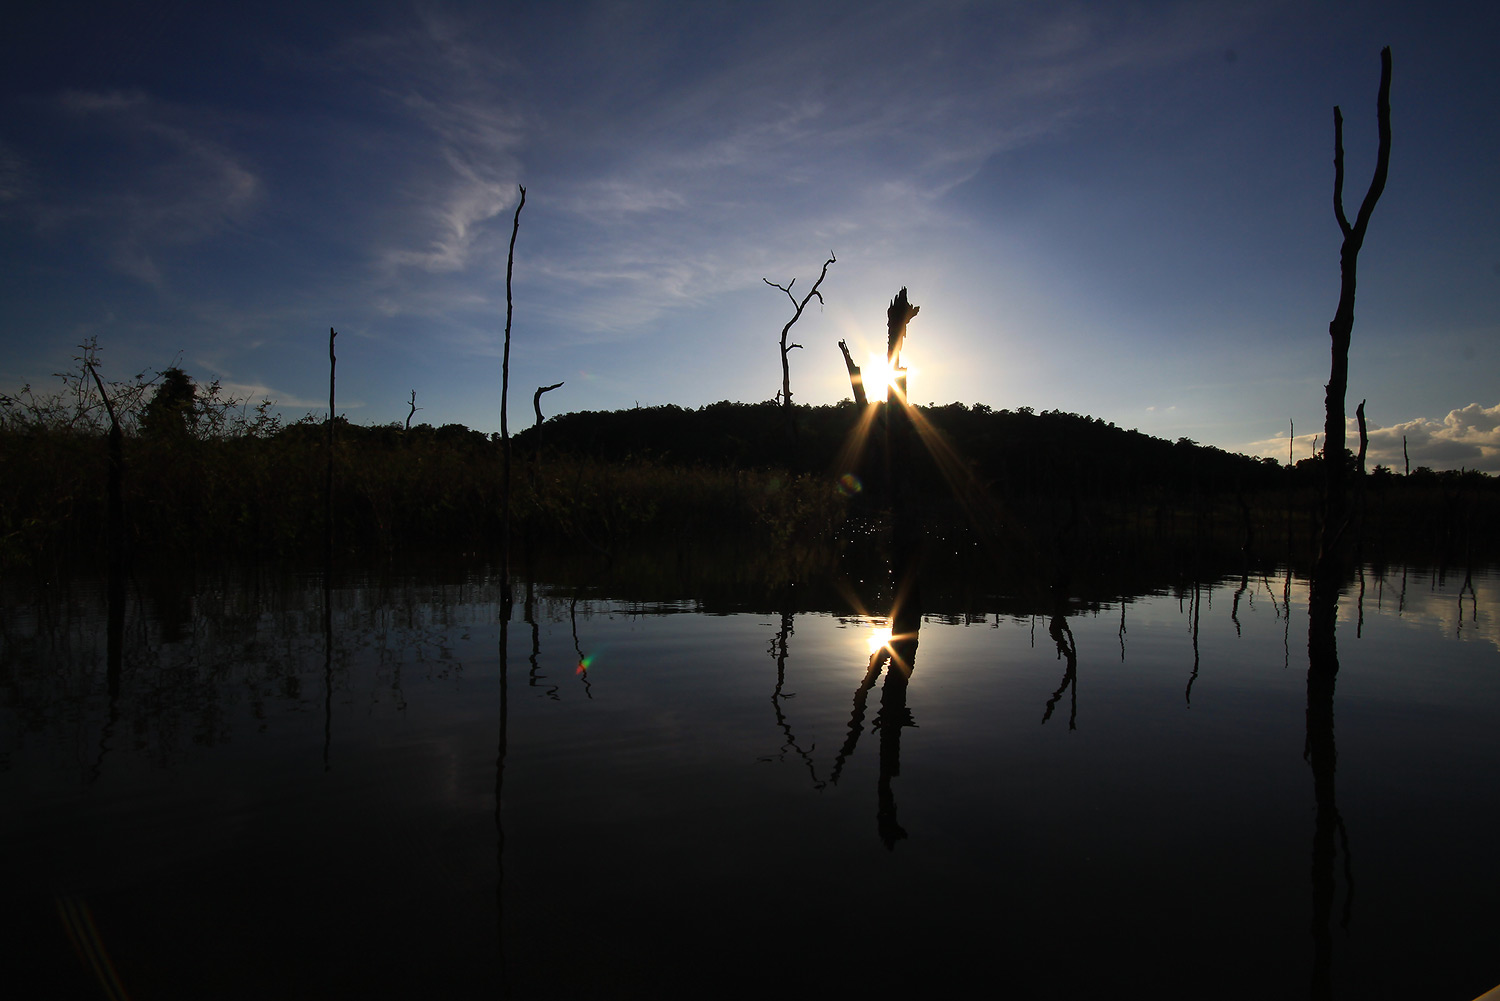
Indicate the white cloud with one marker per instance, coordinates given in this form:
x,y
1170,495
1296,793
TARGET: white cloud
x,y
1468,437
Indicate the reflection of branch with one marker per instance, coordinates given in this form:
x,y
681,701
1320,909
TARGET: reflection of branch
x,y
505,610
1468,585
529,612
894,715
1123,603
583,664
1197,603
1322,756
1359,627
1234,612
857,719
779,652
1062,635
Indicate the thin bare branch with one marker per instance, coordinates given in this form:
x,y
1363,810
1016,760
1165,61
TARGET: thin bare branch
x,y
536,399
1383,153
785,396
1338,170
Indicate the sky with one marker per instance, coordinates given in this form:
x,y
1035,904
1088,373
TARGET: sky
x,y
1116,209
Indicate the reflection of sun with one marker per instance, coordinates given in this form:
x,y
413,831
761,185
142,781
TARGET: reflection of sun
x,y
880,638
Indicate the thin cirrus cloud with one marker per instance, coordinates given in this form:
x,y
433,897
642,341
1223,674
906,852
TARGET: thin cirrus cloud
x,y
1048,181
168,183
784,142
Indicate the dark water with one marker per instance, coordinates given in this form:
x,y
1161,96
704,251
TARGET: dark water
x,y
1058,797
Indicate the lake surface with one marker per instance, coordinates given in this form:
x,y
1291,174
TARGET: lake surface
x,y
261,790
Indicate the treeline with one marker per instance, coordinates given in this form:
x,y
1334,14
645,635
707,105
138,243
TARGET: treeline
x,y
1048,474
207,477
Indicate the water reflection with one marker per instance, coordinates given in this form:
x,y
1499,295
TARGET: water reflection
x,y
779,650
1067,651
195,741
1321,754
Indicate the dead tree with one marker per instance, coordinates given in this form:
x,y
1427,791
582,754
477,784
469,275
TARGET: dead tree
x,y
786,371
536,404
1335,502
414,409
899,430
897,316
856,379
333,363
510,268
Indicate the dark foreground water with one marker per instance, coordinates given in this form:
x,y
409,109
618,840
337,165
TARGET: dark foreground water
x,y
245,797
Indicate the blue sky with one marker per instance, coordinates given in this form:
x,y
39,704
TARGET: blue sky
x,y
1116,209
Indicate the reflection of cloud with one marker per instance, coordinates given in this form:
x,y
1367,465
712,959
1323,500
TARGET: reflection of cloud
x,y
1439,605
1468,437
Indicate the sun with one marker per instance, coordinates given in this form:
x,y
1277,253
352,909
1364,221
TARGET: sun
x,y
878,371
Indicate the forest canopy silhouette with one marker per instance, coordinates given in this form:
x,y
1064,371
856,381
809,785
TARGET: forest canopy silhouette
x,y
213,476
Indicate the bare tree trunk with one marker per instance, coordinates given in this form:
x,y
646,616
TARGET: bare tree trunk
x,y
536,400
786,371
1335,503
1364,437
115,546
510,266
414,409
856,380
897,420
328,475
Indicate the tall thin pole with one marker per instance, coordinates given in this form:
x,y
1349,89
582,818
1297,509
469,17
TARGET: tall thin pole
x,y
328,479
510,267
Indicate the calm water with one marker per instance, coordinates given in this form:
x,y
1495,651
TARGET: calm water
x,y
753,796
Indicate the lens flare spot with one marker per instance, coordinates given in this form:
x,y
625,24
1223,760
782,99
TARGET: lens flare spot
x,y
849,485
585,664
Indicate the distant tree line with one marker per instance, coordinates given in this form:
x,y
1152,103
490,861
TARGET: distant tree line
x,y
211,477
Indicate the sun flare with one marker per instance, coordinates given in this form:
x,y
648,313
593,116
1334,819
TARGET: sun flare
x,y
879,639
878,371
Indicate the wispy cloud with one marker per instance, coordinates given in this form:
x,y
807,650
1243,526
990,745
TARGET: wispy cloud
x,y
162,182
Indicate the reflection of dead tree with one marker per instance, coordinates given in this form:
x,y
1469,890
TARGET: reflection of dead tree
x,y
894,715
1197,603
778,651
528,611
786,372
1234,611
1320,752
1067,650
857,718
897,659
1335,514
583,662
